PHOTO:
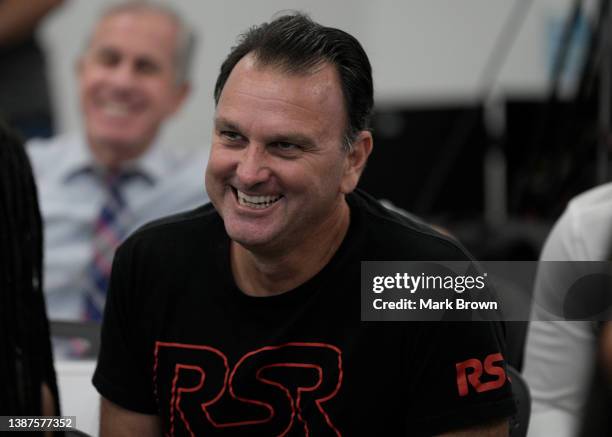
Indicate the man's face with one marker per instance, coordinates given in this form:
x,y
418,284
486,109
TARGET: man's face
x,y
277,172
127,81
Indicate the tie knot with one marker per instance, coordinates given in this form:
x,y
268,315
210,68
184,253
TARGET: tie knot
x,y
112,181
114,178
118,176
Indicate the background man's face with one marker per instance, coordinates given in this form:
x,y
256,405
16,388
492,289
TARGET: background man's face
x,y
276,172
127,80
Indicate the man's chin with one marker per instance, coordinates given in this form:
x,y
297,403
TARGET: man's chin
x,y
250,241
119,141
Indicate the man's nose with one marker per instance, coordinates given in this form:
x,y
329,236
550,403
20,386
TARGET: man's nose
x,y
123,76
253,166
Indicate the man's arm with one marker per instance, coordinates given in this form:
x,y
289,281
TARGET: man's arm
x,y
496,429
116,421
18,19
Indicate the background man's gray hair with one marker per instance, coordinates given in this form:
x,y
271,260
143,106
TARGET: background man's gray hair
x,y
186,40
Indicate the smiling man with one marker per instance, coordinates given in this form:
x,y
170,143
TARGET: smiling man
x,y
98,185
278,173
242,317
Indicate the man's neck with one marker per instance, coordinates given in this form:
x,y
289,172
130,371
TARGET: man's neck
x,y
114,156
265,274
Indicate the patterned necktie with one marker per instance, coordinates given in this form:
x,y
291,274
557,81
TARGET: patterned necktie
x,y
108,232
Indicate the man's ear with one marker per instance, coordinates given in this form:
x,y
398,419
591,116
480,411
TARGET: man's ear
x,y
356,160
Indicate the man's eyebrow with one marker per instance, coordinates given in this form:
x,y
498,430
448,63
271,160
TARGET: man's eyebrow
x,y
285,137
293,138
102,49
222,123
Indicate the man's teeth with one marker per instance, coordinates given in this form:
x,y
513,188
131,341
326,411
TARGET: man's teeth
x,y
259,202
116,110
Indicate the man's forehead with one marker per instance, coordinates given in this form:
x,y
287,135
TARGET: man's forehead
x,y
267,97
320,81
284,68
156,28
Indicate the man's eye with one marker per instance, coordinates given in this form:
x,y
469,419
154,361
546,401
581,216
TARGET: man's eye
x,y
231,136
147,67
284,146
107,58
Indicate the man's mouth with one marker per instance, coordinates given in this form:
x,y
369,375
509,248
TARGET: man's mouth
x,y
257,202
117,109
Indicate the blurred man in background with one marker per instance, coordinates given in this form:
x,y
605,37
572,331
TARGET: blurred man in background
x,y
97,185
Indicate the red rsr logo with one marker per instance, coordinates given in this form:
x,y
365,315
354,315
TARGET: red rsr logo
x,y
475,367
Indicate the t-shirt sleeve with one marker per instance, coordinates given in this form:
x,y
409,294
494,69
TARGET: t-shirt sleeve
x,y
559,382
459,376
124,372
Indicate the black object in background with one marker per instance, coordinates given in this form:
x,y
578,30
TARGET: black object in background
x,y
551,154
428,161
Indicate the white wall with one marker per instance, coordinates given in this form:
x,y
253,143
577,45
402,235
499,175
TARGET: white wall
x,y
420,49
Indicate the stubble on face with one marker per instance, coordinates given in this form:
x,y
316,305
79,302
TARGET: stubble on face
x,y
262,110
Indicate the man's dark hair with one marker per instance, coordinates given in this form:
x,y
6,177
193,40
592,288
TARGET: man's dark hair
x,y
25,349
297,45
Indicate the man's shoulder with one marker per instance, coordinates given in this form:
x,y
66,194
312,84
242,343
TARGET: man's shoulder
x,y
180,223
54,144
182,230
48,155
588,215
583,231
397,235
596,199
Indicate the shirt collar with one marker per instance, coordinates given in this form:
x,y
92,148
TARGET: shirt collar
x,y
153,165
80,160
77,158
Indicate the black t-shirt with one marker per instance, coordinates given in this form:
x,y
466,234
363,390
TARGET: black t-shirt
x,y
182,341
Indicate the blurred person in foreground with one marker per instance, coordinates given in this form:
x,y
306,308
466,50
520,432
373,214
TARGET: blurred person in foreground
x,y
243,316
561,356
97,185
27,378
